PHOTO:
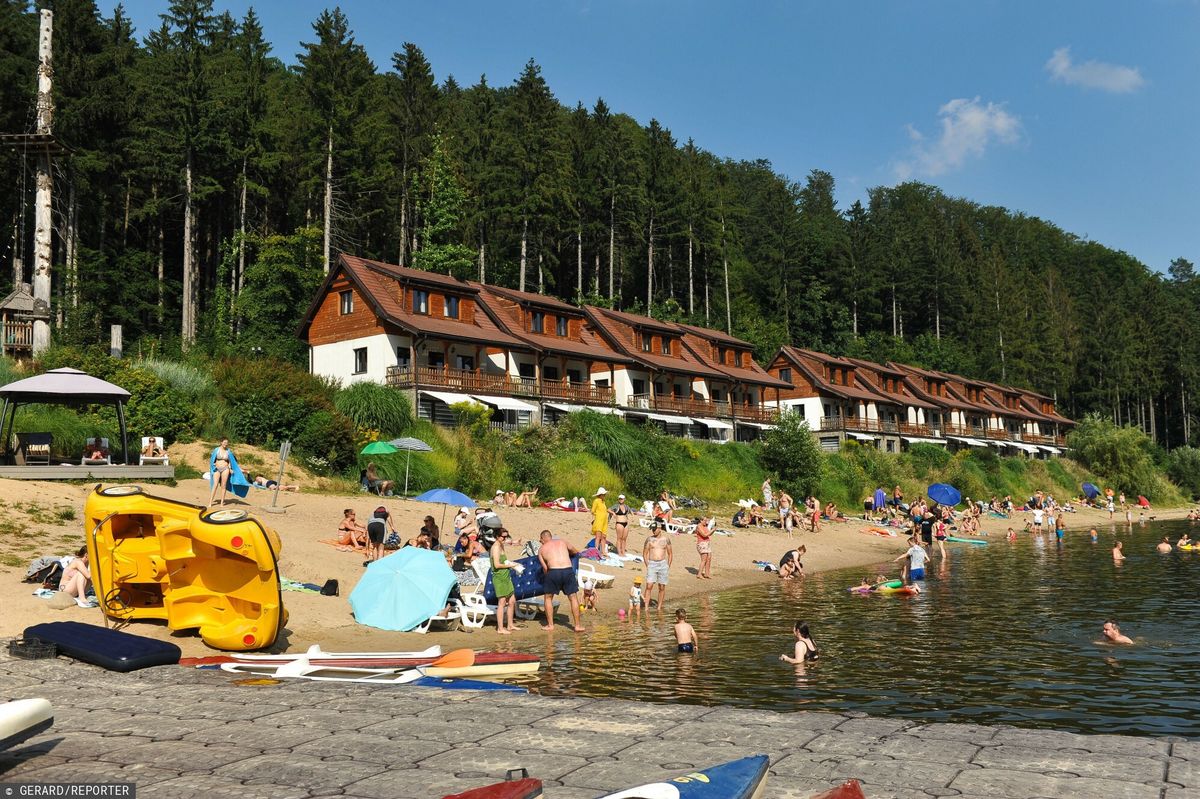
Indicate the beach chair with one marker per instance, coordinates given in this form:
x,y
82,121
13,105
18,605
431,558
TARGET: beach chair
x,y
154,461
597,579
439,618
474,611
33,448
675,528
105,461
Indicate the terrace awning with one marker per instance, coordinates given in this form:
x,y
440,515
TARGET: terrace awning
x,y
1030,448
1051,450
759,425
714,424
974,442
563,407
917,440
449,397
862,436
658,417
506,403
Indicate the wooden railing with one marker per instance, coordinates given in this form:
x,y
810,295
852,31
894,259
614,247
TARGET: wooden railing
x,y
491,383
691,406
16,335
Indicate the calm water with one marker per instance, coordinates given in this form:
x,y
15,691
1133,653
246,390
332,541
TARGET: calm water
x,y
1003,633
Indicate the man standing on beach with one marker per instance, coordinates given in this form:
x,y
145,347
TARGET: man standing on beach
x,y
600,522
558,576
658,557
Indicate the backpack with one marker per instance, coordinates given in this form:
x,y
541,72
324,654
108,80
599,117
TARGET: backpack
x,y
47,571
330,588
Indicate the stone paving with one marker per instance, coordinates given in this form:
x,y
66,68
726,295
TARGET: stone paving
x,y
183,733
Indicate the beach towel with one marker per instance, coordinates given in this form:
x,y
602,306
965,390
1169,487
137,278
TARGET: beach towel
x,y
239,486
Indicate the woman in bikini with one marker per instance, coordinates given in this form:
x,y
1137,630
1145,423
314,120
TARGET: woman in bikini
x,y
75,579
704,536
219,466
806,647
620,513
351,533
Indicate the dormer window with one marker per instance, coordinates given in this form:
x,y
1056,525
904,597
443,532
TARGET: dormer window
x,y
647,342
451,310
560,326
346,302
537,322
421,301
665,345
721,354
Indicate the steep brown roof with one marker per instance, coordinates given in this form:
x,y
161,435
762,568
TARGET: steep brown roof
x,y
590,346
803,360
918,389
897,397
753,375
717,335
617,328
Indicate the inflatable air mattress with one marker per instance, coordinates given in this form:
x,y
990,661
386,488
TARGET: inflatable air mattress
x,y
528,584
108,649
509,789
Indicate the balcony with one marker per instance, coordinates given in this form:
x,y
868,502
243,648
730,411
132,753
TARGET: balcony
x,y
16,335
471,382
919,430
860,424
691,406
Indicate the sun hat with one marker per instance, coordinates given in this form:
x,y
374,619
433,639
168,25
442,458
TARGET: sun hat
x,y
637,580
620,496
464,509
600,491
499,493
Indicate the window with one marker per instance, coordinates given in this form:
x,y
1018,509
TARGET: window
x,y
451,309
360,360
464,362
437,360
639,386
346,302
420,301
717,395
647,342
721,355
601,382
403,357
537,322
560,325
574,376
677,390
550,372
666,345
785,374
526,370
739,359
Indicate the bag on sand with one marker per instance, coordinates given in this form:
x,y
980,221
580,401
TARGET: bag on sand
x,y
330,588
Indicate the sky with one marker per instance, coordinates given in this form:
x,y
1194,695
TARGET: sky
x,y
1081,112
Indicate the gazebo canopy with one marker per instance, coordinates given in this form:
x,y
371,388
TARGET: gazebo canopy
x,y
63,386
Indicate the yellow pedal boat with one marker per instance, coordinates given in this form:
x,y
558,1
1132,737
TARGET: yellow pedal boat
x,y
156,558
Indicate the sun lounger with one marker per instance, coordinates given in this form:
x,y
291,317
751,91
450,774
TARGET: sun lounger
x,y
439,618
161,460
474,611
104,461
597,579
675,528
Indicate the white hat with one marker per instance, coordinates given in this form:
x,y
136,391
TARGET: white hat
x,y
464,509
620,496
499,493
600,491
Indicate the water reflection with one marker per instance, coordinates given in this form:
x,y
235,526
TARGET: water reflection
x,y
1009,633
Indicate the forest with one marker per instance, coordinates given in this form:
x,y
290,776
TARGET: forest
x,y
212,177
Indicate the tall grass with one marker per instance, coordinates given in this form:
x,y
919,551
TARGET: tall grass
x,y
372,406
577,473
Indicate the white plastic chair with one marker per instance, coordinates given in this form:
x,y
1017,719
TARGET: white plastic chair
x,y
157,461
597,579
474,611
675,528
442,617
105,461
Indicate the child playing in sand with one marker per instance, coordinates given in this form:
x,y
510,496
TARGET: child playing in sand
x,y
685,635
589,597
635,596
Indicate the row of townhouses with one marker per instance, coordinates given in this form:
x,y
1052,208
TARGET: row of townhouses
x,y
534,359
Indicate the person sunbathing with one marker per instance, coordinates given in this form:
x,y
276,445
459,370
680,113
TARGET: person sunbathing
x,y
525,499
350,532
153,449
265,482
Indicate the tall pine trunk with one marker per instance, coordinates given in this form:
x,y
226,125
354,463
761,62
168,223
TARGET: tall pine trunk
x,y
125,226
691,283
524,252
482,266
725,265
188,332
235,281
579,260
596,282
1000,337
650,270
327,242
612,242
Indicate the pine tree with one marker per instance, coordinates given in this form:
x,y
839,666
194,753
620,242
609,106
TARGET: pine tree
x,y
439,199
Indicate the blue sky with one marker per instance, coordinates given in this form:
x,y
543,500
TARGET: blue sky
x,y
1082,112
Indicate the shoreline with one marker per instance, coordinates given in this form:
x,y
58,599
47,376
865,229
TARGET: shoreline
x,y
314,619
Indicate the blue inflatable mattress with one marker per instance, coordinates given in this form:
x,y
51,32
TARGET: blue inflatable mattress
x,y
108,649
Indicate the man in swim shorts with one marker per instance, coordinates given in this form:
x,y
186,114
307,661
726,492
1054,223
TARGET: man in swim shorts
x,y
657,554
917,556
558,576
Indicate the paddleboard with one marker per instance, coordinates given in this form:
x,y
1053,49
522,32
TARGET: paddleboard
x,y
315,651
738,779
509,789
958,540
516,666
467,685
512,662
22,719
304,671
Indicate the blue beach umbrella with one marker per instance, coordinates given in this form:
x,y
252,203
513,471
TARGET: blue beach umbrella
x,y
1090,491
402,590
447,496
944,494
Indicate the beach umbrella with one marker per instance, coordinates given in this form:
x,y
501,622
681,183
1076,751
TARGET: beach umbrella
x,y
944,494
402,590
446,496
378,448
409,445
1090,491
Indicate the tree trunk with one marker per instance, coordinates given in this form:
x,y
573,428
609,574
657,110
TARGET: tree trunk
x,y
691,282
937,317
706,322
1183,409
524,253
725,266
650,271
73,245
327,243
125,226
188,332
161,257
895,319
541,271
596,282
612,242
404,217
482,267
1000,336
43,221
854,314
235,282
579,260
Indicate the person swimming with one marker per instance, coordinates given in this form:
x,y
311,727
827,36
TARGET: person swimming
x,y
806,647
1112,632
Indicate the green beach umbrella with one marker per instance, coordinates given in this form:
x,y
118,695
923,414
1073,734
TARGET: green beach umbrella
x,y
378,448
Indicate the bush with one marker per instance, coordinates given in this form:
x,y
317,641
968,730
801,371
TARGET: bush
x,y
1183,467
1120,455
371,406
791,454
528,457
327,435
155,408
643,457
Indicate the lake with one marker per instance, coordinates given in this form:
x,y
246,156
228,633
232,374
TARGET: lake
x,y
1003,633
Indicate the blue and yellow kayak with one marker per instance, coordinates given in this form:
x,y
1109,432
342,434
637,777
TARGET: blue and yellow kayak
x,y
737,779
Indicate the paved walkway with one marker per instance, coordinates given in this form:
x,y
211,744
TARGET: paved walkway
x,y
180,733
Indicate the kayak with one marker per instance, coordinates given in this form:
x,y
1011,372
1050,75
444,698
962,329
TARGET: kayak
x,y
498,662
850,789
525,788
22,719
958,540
315,651
302,670
737,779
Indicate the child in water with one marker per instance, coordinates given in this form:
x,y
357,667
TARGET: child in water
x,y
589,597
685,635
635,596
1012,534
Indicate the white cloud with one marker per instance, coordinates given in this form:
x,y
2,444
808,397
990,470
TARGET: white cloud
x,y
968,127
1093,74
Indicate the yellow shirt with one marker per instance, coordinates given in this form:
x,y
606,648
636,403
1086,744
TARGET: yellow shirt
x,y
600,511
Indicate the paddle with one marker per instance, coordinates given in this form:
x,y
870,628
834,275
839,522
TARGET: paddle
x,y
457,659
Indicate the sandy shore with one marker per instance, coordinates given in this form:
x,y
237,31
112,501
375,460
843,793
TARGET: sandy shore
x,y
35,526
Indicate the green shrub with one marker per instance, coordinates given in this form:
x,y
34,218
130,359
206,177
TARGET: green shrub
x,y
371,406
577,473
1120,455
476,419
1183,467
642,456
791,454
155,407
528,458
328,435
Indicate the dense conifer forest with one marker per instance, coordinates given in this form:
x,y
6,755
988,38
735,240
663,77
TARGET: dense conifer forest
x,y
212,175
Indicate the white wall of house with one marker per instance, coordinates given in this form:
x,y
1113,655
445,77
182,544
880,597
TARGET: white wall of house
x,y
809,407
336,360
624,383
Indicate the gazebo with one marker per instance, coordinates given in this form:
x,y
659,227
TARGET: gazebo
x,y
64,386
